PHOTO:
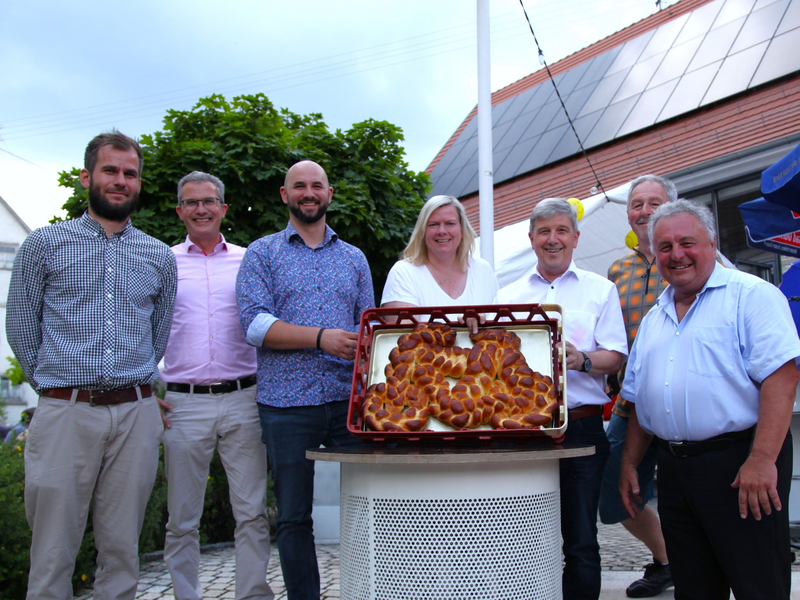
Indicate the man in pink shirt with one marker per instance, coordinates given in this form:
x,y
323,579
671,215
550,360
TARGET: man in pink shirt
x,y
210,400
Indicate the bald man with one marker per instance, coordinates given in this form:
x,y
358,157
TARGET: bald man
x,y
301,292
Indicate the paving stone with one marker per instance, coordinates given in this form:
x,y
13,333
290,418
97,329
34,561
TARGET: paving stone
x,y
619,551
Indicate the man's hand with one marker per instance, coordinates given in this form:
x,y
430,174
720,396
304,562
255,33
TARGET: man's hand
x,y
339,343
163,408
574,357
637,441
629,489
757,481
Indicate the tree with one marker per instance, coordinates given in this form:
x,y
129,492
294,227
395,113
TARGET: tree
x,y
249,145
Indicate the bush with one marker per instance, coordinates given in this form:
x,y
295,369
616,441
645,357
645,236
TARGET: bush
x,y
217,524
15,536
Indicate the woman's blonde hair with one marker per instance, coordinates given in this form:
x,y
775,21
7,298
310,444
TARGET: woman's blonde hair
x,y
416,251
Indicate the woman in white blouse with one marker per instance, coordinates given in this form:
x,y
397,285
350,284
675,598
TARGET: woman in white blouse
x,y
437,268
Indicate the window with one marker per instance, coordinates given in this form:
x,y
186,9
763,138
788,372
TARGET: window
x,y
7,254
731,238
10,394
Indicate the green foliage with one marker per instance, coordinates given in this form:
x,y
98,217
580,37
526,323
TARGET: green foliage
x,y
249,145
15,536
14,372
217,524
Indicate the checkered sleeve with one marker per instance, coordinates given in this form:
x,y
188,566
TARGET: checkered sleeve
x,y
25,301
163,304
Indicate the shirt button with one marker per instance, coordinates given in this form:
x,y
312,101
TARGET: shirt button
x,y
668,411
671,357
677,333
108,295
675,437
108,351
108,322
666,383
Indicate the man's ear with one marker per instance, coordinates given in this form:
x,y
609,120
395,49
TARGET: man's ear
x,y
85,178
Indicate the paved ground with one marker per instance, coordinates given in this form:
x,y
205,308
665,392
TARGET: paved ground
x,y
622,556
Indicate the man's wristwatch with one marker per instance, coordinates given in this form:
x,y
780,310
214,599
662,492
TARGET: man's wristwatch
x,y
587,363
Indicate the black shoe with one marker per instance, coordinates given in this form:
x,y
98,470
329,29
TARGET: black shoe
x,y
657,578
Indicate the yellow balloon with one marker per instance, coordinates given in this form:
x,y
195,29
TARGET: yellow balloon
x,y
631,241
578,206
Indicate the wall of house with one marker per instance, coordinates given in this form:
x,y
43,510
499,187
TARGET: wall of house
x,y
12,233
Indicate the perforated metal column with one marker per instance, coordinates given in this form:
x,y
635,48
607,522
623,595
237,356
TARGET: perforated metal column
x,y
449,532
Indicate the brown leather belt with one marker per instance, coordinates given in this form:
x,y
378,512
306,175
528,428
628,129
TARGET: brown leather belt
x,y
587,410
101,397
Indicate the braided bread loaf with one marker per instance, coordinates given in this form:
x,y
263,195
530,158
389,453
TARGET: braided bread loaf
x,y
395,405
415,377
498,389
495,385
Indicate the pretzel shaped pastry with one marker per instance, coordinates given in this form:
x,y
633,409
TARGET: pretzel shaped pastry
x,y
395,406
529,401
467,405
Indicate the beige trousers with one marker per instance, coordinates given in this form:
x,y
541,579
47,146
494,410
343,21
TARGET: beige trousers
x,y
77,454
229,422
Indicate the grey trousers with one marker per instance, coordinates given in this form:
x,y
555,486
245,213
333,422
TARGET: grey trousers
x,y
77,454
229,422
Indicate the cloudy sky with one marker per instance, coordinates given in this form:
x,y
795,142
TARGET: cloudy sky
x,y
69,70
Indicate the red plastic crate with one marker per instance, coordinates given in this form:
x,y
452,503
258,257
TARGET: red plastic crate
x,y
513,316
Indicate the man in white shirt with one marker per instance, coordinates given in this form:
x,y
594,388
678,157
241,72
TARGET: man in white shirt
x,y
713,374
595,346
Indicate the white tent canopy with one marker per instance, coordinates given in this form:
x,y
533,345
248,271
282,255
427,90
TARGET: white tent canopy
x,y
602,238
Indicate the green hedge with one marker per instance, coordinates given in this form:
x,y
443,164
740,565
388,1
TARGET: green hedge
x,y
217,524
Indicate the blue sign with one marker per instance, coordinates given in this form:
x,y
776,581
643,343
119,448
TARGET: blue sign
x,y
771,227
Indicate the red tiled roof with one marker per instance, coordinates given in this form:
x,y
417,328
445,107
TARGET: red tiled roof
x,y
749,119
615,39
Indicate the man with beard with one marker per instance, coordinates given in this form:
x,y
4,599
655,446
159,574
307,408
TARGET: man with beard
x,y
301,292
89,313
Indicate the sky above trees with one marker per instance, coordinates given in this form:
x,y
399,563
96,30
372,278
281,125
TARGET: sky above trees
x,y
71,70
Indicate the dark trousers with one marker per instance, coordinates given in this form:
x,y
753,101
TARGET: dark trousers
x,y
711,549
580,493
288,433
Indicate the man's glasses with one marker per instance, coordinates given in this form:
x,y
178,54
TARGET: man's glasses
x,y
193,203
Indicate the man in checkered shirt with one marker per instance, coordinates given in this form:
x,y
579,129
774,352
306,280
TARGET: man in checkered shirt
x,y
89,312
639,285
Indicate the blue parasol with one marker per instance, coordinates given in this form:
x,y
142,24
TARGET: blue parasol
x,y
780,183
790,286
771,227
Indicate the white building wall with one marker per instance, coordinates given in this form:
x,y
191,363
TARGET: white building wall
x,y
13,232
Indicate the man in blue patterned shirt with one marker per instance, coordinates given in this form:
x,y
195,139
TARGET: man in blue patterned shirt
x,y
89,313
301,292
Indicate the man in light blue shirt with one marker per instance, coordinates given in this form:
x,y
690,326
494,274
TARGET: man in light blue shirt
x,y
712,374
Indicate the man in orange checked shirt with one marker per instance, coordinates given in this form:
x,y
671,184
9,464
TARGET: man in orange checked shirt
x,y
639,285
